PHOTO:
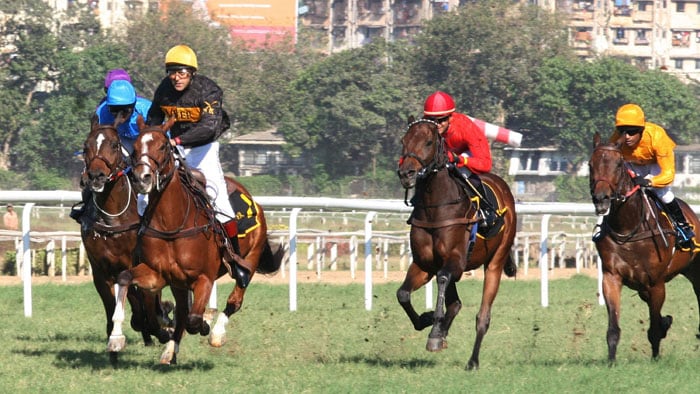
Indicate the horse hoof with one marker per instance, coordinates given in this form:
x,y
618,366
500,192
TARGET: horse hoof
x,y
472,365
116,343
436,344
216,340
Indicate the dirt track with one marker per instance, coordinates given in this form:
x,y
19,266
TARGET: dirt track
x,y
330,277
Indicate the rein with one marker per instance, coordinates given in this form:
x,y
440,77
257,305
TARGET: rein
x,y
162,182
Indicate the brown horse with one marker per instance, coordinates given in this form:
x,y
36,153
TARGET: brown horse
x,y
181,242
108,229
444,231
636,244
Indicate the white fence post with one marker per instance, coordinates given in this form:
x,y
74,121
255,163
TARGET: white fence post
x,y
544,266
368,260
27,260
293,259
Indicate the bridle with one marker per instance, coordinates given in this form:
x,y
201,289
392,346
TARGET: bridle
x,y
437,163
117,170
434,165
617,189
159,167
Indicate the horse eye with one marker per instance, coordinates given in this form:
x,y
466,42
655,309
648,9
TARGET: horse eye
x,y
430,142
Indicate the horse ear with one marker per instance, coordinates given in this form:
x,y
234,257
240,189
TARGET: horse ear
x,y
411,119
168,124
140,123
94,121
596,139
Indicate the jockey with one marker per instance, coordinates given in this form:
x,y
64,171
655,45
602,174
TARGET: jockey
x,y
649,152
466,144
195,101
121,98
116,74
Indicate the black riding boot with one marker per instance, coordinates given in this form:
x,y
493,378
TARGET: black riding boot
x,y
685,234
488,215
242,274
78,209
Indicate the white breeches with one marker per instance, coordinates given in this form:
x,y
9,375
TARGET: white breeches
x,y
205,158
664,193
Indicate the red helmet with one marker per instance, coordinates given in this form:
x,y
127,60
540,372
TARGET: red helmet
x,y
438,104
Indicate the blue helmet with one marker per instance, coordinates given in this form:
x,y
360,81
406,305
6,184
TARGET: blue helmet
x,y
121,92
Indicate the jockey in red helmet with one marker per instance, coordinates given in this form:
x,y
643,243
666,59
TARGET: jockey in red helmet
x,y
466,144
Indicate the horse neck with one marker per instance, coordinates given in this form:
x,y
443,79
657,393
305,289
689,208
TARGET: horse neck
x,y
440,195
629,214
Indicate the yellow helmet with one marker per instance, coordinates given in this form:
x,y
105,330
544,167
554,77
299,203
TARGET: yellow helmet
x,y
629,115
181,55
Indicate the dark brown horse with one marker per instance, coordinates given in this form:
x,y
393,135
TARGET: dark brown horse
x,y
181,243
108,230
442,228
636,244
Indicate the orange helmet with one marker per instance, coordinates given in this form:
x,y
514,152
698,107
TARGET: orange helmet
x,y
438,104
629,115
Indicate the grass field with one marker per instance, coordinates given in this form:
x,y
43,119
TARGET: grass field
x,y
332,345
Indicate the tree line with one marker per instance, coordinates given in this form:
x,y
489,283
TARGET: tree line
x,y
345,112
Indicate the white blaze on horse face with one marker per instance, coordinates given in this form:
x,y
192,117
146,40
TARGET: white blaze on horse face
x,y
146,142
100,139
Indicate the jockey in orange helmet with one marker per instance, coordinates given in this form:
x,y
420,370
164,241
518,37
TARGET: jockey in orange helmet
x,y
466,144
649,153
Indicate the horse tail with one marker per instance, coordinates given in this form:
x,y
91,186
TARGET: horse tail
x,y
509,268
270,261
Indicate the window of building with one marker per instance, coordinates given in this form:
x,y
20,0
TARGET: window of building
x,y
678,63
697,64
642,6
680,6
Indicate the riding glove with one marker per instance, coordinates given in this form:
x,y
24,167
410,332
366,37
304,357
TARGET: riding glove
x,y
643,182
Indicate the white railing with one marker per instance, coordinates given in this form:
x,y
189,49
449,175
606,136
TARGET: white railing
x,y
295,205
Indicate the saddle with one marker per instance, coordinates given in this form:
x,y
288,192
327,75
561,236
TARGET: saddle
x,y
486,202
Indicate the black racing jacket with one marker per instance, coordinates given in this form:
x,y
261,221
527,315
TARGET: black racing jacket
x,y
200,117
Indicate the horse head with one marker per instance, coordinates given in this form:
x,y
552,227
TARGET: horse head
x,y
153,158
609,177
423,151
103,156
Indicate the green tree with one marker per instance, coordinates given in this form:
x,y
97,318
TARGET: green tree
x,y
573,99
484,54
347,111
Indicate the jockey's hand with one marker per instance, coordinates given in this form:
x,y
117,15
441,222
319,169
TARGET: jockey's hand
x,y
643,182
457,159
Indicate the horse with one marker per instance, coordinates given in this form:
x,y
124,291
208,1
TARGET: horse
x,y
635,244
444,237
183,245
108,230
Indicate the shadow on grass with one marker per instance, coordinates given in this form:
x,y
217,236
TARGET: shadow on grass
x,y
386,363
81,358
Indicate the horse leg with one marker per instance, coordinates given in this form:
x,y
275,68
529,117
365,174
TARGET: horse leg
x,y
693,275
612,288
436,338
182,309
492,281
452,307
233,305
139,315
195,320
658,325
415,279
